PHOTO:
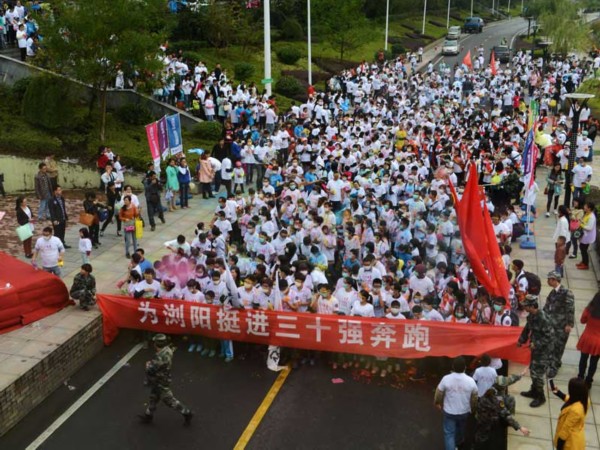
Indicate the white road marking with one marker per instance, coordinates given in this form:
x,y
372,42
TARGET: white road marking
x,y
84,398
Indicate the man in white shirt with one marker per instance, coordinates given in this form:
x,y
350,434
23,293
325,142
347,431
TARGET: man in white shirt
x,y
456,396
50,251
582,173
335,188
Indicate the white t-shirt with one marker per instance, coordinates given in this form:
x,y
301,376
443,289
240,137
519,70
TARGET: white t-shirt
x,y
485,377
365,310
49,251
457,389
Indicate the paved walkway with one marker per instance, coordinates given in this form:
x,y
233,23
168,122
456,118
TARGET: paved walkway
x,y
584,284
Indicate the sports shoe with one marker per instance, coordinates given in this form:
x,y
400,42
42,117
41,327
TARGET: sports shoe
x,y
228,359
547,214
417,378
212,354
191,348
572,256
205,352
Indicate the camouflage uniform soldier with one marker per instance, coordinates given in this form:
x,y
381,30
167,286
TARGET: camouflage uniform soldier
x,y
560,310
501,385
491,412
84,287
540,334
158,373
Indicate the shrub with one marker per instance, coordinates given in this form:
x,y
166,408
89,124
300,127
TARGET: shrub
x,y
288,86
134,114
394,40
437,24
288,55
208,131
19,88
291,30
398,49
387,55
47,103
243,71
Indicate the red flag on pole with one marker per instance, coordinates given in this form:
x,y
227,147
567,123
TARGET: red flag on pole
x,y
479,239
493,64
467,60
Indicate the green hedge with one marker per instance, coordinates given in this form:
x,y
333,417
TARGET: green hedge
x,y
291,30
47,103
243,71
134,114
288,86
208,131
288,55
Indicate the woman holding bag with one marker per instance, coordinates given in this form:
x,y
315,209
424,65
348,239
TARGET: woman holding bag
x,y
24,217
128,214
172,183
90,206
554,188
576,214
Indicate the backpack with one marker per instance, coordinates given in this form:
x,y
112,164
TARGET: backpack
x,y
514,317
534,284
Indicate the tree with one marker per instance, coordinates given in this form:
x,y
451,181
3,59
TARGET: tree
x,y
341,22
562,24
92,39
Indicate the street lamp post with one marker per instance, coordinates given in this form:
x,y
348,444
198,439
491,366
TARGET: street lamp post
x,y
471,8
448,16
387,23
309,44
267,44
424,16
578,102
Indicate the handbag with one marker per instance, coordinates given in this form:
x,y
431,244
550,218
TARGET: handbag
x,y
577,233
86,219
24,232
139,228
546,190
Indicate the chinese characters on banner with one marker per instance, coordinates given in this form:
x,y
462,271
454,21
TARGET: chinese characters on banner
x,y
153,143
174,131
378,337
163,137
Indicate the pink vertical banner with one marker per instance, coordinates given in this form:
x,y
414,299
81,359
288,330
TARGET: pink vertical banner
x,y
152,133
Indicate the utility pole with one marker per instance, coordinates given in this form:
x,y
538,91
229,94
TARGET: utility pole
x,y
424,16
267,44
448,16
387,23
310,44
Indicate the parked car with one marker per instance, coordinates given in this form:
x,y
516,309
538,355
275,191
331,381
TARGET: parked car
x,y
450,47
453,32
473,25
502,53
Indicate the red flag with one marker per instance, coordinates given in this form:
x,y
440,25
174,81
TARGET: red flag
x,y
493,64
467,60
481,248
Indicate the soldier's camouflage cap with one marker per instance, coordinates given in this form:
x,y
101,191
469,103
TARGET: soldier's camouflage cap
x,y
160,339
530,300
554,274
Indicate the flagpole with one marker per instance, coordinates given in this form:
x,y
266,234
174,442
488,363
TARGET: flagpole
x,y
424,16
267,44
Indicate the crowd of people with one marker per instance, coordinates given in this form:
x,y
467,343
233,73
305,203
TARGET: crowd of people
x,y
342,205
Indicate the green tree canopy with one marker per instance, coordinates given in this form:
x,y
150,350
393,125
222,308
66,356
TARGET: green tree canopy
x,y
562,23
90,40
341,23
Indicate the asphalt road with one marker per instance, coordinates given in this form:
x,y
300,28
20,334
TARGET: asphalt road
x,y
491,36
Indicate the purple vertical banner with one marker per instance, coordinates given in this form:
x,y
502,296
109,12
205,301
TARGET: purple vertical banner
x,y
163,137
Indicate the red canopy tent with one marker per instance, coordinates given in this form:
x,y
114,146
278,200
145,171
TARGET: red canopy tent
x,y
27,294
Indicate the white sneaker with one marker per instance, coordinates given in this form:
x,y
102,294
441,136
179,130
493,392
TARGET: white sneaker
x,y
547,214
555,212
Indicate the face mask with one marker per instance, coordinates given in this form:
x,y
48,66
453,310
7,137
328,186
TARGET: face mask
x,y
216,283
404,288
47,237
299,285
459,315
248,286
262,240
265,290
497,308
293,187
395,311
304,272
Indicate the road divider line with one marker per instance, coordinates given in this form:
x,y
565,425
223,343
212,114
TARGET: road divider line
x,y
262,410
83,399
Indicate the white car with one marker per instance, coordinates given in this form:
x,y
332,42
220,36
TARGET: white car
x,y
453,32
450,47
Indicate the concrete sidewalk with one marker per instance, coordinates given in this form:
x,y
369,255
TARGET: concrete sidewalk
x,y
584,284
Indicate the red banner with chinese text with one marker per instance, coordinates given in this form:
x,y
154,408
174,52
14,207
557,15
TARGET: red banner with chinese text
x,y
405,339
